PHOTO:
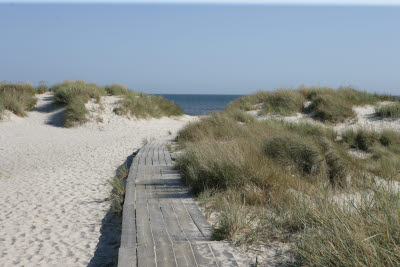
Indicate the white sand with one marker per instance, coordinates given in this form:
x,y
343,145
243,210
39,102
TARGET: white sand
x,y
53,183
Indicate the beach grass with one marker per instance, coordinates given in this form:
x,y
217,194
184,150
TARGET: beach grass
x,y
141,105
325,104
117,183
74,95
17,98
389,111
116,89
269,180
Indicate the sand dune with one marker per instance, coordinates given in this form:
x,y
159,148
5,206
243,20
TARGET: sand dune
x,y
53,183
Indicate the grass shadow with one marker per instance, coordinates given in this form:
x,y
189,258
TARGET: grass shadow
x,y
106,253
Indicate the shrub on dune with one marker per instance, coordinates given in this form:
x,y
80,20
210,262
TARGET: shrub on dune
x,y
116,89
75,94
141,105
75,113
67,91
284,102
330,107
249,102
389,111
18,98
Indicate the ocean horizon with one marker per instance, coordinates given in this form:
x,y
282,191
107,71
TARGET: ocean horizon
x,y
200,104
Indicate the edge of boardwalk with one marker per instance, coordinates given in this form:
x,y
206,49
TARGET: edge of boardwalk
x,y
153,191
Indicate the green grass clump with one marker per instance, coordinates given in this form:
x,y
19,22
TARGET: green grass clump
x,y
360,139
75,113
330,107
18,98
68,91
389,111
117,194
75,94
249,102
116,89
141,105
284,102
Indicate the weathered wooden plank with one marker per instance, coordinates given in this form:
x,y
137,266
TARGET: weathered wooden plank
x,y
128,232
146,256
188,226
203,254
184,255
130,193
199,219
172,224
160,234
127,257
165,255
144,234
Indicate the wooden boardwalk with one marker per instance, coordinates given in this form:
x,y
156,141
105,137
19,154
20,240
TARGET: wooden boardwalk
x,y
162,225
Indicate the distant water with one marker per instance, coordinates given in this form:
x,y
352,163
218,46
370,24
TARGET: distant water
x,y
201,104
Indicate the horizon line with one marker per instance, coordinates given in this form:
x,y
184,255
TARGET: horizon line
x,y
218,2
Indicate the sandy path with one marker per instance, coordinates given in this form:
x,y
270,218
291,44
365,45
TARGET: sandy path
x,y
53,184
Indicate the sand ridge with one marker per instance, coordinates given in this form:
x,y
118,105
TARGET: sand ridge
x,y
53,182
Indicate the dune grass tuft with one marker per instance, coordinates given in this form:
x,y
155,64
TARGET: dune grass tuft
x,y
284,102
17,98
389,111
141,105
117,193
116,89
75,94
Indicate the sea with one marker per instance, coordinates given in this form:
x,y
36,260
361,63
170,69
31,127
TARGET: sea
x,y
200,104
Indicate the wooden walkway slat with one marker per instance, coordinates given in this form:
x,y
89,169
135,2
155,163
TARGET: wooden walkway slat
x,y
161,224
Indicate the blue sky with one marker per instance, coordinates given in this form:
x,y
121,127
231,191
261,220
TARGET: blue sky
x,y
203,48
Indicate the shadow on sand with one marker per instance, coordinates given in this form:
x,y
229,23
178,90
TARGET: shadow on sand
x,y
106,253
57,117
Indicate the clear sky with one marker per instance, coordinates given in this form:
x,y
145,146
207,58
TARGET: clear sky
x,y
207,48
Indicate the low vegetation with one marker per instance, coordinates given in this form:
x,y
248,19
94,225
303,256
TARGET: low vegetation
x,y
116,89
75,94
141,105
42,88
117,194
273,180
17,98
389,111
325,103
